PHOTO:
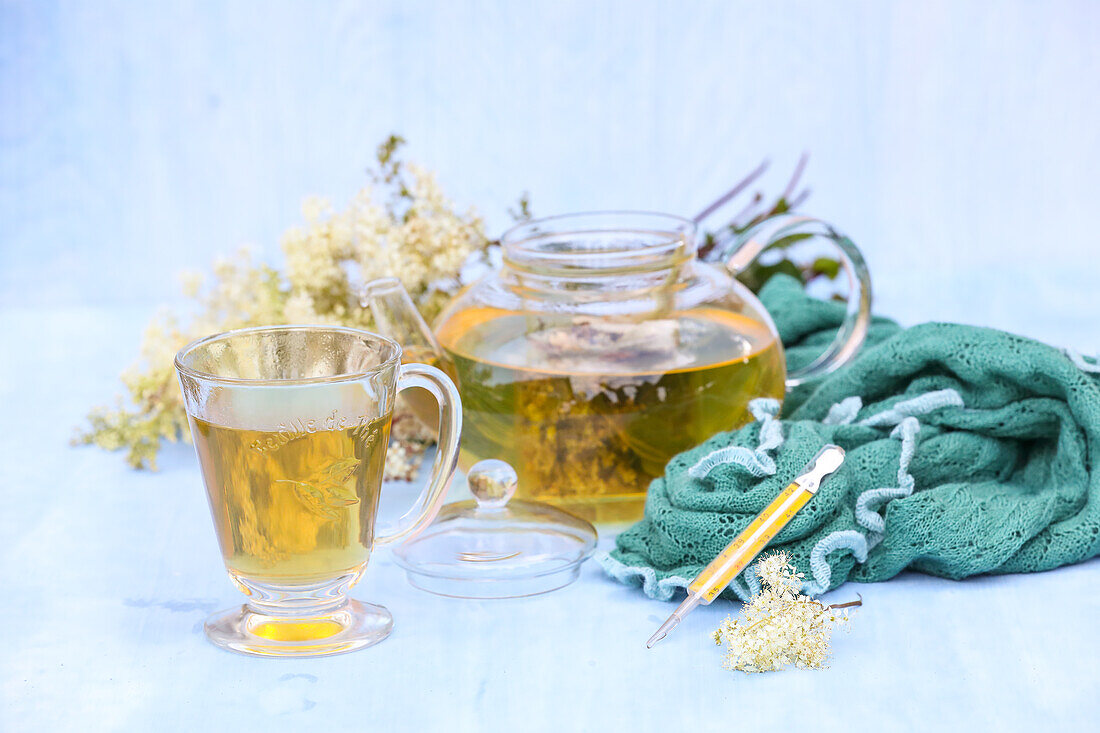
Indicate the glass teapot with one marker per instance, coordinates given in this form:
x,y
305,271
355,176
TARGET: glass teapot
x,y
603,347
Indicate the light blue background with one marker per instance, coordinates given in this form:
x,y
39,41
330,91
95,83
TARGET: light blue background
x,y
955,141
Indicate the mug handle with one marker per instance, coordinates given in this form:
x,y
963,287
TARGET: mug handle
x,y
426,506
857,319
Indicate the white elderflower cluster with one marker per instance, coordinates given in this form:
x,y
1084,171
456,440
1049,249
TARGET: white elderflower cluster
x,y
779,627
402,225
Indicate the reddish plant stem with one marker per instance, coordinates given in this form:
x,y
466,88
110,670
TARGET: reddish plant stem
x,y
849,604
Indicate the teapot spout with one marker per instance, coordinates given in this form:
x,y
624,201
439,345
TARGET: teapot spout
x,y
397,317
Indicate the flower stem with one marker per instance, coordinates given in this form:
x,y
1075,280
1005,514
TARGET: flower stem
x,y
849,604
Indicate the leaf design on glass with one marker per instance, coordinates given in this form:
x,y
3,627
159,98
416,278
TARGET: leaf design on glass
x,y
326,491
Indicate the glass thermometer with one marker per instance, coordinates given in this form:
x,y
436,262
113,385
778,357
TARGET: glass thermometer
x,y
713,579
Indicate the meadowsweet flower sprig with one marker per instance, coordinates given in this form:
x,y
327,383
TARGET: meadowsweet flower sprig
x,y
400,225
780,627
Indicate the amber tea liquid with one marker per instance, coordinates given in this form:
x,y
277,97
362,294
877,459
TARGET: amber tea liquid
x,y
296,505
590,435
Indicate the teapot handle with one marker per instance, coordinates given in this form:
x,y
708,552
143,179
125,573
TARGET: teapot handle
x,y
857,319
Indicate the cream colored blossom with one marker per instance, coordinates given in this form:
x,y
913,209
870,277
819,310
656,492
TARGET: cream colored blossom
x,y
779,627
411,231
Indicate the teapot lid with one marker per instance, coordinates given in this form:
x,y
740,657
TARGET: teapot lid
x,y
494,546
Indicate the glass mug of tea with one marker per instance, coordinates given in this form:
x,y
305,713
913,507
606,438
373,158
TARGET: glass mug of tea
x,y
291,426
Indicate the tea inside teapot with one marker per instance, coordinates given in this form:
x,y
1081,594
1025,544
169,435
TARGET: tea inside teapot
x,y
589,411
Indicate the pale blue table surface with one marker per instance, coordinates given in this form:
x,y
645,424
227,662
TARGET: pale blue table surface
x,y
109,573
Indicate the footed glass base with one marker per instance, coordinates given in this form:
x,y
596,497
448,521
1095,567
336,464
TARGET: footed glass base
x,y
349,626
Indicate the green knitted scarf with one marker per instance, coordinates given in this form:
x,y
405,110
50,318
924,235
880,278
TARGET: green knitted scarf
x,y
968,451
